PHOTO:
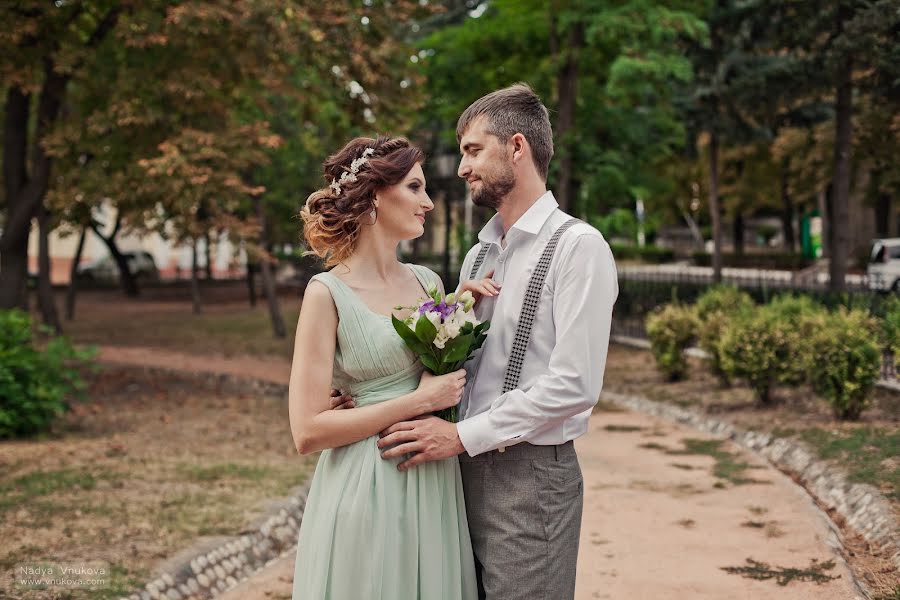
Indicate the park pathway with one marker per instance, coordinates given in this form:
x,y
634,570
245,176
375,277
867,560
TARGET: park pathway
x,y
658,521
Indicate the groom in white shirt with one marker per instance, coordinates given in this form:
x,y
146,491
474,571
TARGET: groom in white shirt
x,y
531,389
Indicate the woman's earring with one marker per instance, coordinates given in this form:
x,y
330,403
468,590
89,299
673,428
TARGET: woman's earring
x,y
374,216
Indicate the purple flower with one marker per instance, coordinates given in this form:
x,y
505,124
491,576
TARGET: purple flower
x,y
426,307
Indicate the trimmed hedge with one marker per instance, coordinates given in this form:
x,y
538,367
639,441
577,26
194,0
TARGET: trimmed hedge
x,y
647,254
671,330
776,260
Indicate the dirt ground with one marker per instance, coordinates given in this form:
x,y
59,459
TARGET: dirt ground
x,y
148,466
662,526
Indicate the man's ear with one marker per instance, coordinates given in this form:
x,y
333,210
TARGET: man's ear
x,y
519,146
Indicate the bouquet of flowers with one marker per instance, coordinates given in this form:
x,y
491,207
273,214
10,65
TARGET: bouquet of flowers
x,y
443,332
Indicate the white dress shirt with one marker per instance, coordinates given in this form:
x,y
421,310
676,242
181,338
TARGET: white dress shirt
x,y
563,369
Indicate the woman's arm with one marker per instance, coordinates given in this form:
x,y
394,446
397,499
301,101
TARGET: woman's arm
x,y
314,425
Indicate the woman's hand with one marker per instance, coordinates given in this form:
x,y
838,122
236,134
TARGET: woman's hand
x,y
442,391
341,400
481,287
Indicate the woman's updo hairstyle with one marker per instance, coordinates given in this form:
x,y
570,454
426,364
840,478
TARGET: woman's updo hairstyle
x,y
332,220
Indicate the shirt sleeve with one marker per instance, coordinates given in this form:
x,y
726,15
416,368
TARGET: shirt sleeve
x,y
586,289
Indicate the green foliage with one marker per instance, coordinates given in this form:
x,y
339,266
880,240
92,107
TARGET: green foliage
x,y
786,261
802,317
647,254
847,361
715,309
35,383
761,348
671,330
890,326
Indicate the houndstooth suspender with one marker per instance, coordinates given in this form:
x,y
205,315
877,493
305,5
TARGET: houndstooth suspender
x,y
479,259
529,307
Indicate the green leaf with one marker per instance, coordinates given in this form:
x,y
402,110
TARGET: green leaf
x,y
426,331
430,363
409,336
458,348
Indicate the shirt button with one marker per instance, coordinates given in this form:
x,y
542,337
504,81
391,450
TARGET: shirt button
x,y
501,449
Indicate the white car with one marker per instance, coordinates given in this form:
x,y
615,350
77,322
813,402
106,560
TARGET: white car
x,y
884,265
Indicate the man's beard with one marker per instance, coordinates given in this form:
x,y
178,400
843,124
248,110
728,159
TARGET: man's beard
x,y
492,192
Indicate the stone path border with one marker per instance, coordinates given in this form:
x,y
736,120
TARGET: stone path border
x,y
862,507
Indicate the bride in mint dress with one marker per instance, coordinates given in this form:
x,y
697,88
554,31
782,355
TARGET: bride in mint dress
x,y
369,530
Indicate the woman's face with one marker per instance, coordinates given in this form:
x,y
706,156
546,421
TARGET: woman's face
x,y
402,207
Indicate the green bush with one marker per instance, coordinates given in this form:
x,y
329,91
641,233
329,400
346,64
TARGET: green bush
x,y
802,316
768,260
647,254
715,308
890,327
35,383
763,350
671,329
847,361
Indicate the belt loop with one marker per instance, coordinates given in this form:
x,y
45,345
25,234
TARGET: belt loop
x,y
556,451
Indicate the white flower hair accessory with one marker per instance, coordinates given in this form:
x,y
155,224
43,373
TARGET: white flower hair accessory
x,y
350,176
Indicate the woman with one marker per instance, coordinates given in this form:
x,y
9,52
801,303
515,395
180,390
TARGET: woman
x,y
370,531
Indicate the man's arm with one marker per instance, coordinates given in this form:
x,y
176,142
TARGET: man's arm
x,y
586,289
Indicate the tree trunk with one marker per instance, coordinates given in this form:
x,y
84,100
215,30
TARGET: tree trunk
x,y
208,244
47,304
737,231
25,192
787,212
843,148
73,276
195,284
126,278
714,208
267,277
251,281
567,94
882,207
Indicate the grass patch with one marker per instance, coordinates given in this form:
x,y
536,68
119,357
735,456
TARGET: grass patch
x,y
727,467
25,490
623,428
761,571
754,524
869,455
223,471
237,330
653,446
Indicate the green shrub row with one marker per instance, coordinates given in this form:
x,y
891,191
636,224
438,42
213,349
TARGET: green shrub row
x,y
770,260
36,380
647,254
790,341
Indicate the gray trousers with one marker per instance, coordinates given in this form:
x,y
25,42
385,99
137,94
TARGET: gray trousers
x,y
524,510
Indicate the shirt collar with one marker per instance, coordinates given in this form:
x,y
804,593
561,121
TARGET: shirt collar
x,y
530,222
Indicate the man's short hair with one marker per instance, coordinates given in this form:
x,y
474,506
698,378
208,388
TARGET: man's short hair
x,y
512,110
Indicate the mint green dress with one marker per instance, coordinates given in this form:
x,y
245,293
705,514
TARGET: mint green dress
x,y
369,531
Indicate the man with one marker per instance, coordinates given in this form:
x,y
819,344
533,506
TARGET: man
x,y
529,392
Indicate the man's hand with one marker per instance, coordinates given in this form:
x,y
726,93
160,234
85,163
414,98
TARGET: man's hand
x,y
340,400
427,439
